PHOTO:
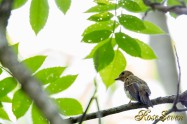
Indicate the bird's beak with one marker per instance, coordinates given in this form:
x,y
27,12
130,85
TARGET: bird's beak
x,y
117,78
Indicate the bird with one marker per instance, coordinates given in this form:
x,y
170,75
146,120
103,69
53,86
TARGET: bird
x,y
135,88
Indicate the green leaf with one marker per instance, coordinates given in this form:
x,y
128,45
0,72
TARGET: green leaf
x,y
102,2
18,3
146,51
37,116
112,71
104,16
20,103
128,44
1,71
3,114
7,85
61,84
49,75
173,2
103,55
131,22
107,25
39,10
96,36
151,28
69,106
63,5
91,55
15,48
103,8
141,5
5,99
34,63
130,5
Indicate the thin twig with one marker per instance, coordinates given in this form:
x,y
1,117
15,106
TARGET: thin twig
x,y
179,77
99,115
6,70
89,104
84,114
174,107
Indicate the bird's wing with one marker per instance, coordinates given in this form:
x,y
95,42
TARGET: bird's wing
x,y
145,87
131,86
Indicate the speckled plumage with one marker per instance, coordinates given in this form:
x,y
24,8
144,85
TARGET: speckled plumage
x,y
135,88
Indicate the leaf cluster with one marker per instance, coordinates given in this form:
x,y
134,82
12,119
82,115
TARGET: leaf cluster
x,y
111,20
51,81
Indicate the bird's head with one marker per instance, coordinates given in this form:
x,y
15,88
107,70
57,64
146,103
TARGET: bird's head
x,y
124,75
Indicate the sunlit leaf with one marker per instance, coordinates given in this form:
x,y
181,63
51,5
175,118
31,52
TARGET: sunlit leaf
x,y
109,73
37,116
173,2
69,106
34,63
103,56
130,5
15,48
91,54
3,114
151,28
146,51
102,2
96,36
107,25
104,16
5,99
61,84
63,5
131,22
39,10
7,85
102,8
1,71
128,44
49,75
18,3
20,103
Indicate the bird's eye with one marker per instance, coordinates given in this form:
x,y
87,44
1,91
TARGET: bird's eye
x,y
122,73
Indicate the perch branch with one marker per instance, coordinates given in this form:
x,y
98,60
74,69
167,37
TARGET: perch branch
x,y
126,107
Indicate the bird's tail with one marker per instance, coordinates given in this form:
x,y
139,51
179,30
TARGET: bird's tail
x,y
145,100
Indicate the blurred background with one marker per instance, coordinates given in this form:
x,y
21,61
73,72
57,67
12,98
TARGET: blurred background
x,y
60,40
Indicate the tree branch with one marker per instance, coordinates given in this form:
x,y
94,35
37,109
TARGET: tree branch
x,y
28,84
126,107
179,10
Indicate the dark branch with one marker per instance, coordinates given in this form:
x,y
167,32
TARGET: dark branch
x,y
30,85
126,107
177,98
179,10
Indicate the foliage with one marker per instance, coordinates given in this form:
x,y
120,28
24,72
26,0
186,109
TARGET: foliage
x,y
109,35
52,82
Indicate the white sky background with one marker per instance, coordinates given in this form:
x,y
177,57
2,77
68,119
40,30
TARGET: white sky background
x,y
60,40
